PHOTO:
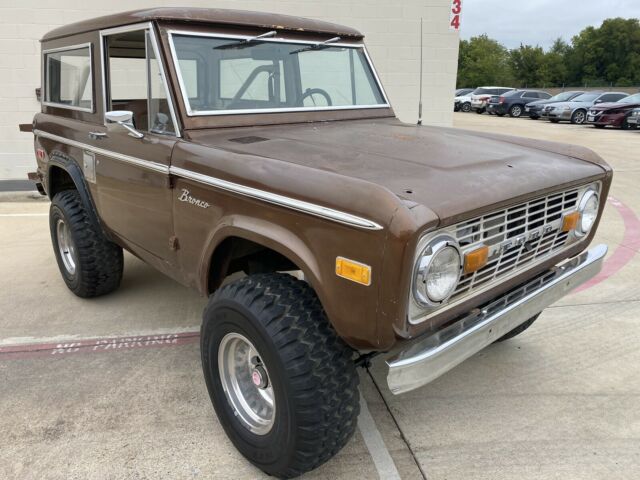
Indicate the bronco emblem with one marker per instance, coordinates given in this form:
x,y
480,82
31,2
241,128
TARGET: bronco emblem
x,y
186,197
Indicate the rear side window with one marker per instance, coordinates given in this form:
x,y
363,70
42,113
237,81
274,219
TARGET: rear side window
x,y
68,78
612,97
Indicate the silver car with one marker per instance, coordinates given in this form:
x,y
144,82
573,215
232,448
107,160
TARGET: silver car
x,y
634,118
575,111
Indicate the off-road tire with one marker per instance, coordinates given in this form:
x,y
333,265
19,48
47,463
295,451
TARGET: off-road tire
x,y
518,330
310,369
99,262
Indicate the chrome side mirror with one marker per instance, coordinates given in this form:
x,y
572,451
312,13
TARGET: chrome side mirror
x,y
123,118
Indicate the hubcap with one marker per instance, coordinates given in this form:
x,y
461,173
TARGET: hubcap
x,y
66,247
246,383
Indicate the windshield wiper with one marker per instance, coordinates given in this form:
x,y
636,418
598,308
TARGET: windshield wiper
x,y
317,46
246,41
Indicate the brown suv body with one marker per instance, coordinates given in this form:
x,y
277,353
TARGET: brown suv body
x,y
402,180
430,243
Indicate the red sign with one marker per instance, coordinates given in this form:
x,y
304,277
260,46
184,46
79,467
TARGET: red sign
x,y
454,16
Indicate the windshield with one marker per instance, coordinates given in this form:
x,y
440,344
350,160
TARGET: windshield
x,y
563,96
630,99
237,75
586,97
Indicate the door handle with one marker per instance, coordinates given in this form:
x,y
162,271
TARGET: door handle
x,y
97,135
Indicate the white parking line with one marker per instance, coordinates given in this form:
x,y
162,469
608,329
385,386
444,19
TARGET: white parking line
x,y
375,444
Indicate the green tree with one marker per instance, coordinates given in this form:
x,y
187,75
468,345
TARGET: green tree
x,y
529,66
555,59
483,61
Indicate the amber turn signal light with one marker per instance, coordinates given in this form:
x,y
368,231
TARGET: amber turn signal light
x,y
476,259
354,271
570,221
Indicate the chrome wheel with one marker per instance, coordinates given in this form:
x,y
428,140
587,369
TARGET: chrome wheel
x,y
66,247
246,383
579,117
516,111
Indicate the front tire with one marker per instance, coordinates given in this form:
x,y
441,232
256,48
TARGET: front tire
x,y
90,264
480,111
466,107
578,117
283,341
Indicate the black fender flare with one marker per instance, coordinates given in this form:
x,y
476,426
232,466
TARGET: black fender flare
x,y
71,167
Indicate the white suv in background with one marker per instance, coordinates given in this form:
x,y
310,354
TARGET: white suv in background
x,y
481,96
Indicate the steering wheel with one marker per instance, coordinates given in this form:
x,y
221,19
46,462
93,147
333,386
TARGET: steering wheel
x,y
312,91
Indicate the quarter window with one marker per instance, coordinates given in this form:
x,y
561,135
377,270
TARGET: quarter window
x,y
68,78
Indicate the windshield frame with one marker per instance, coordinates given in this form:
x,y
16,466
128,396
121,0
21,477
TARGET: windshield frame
x,y
202,113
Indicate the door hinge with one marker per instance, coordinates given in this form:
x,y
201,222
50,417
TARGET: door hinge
x,y
173,243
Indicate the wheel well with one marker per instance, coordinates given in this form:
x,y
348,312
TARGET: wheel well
x,y
236,254
59,180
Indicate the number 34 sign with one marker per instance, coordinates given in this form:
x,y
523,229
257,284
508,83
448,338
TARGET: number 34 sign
x,y
454,17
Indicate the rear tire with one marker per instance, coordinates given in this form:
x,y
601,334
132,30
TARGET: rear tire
x,y
599,126
515,111
308,367
553,120
480,111
518,330
466,107
90,264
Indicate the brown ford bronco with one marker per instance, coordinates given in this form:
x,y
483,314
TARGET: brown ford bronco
x,y
210,142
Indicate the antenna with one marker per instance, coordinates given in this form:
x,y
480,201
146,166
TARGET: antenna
x,y
420,91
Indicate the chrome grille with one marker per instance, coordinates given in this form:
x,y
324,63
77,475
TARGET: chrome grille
x,y
516,236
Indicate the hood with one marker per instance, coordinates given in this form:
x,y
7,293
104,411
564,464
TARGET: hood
x,y
572,105
452,172
615,106
462,98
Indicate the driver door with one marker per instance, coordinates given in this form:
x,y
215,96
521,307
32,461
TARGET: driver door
x,y
132,174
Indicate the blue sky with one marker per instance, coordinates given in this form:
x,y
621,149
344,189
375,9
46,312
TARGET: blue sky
x,y
538,22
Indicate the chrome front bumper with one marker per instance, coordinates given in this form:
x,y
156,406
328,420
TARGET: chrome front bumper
x,y
427,358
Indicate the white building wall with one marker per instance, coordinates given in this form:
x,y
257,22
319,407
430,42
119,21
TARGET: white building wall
x,y
392,34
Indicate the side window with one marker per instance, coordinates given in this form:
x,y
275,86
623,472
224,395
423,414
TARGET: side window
x,y
135,82
68,80
530,95
610,97
544,95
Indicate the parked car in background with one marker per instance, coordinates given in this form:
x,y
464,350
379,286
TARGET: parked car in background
x,y
634,118
462,100
614,114
513,102
575,111
535,109
481,96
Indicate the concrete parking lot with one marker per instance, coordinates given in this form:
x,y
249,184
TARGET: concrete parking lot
x,y
112,387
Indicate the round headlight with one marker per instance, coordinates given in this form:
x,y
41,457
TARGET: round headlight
x,y
437,272
588,208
